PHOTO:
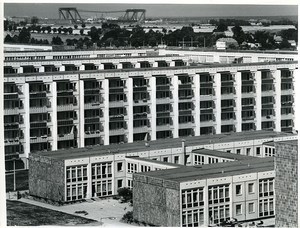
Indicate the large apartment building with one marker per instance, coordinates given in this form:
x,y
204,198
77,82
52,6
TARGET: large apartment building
x,y
74,99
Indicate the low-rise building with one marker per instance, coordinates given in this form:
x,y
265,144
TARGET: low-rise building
x,y
224,43
206,195
99,171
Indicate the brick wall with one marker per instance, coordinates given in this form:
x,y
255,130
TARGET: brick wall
x,y
286,185
156,201
46,178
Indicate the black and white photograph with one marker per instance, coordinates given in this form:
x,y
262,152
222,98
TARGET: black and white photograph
x,y
149,114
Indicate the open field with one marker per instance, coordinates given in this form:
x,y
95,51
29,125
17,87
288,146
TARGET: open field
x,y
24,214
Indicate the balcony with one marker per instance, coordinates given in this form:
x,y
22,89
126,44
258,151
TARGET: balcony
x,y
92,134
163,100
94,105
12,141
40,109
40,139
62,137
186,125
11,111
165,127
287,92
140,129
119,131
114,104
67,107
289,116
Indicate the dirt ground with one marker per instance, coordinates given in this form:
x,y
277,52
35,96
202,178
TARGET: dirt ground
x,y
24,214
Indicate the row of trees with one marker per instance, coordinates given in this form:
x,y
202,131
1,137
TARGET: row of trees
x,y
114,36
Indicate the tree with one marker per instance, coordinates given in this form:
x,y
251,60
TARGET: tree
x,y
48,28
34,20
125,194
8,39
75,26
54,30
238,34
81,31
94,34
221,28
70,30
83,25
128,217
24,36
59,30
57,41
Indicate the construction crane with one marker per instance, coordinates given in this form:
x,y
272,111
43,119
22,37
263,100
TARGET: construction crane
x,y
131,15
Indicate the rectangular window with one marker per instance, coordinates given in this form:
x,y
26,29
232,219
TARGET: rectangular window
x,y
238,189
120,166
176,159
251,208
257,150
238,151
248,151
251,188
120,183
238,209
165,159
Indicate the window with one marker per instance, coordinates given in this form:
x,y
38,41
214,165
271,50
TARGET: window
x,y
165,159
238,209
192,198
238,189
120,166
248,151
266,207
251,208
238,151
218,194
131,168
251,188
120,183
266,187
176,159
257,150
228,151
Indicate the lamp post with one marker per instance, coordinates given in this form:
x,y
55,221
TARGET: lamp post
x,y
14,168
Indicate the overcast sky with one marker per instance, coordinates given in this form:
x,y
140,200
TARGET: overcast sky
x,y
155,10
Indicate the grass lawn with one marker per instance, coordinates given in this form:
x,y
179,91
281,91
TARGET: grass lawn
x,y
23,214
21,180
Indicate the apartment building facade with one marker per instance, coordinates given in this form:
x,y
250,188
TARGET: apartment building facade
x,y
60,100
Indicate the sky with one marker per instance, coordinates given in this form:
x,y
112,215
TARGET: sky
x,y
155,10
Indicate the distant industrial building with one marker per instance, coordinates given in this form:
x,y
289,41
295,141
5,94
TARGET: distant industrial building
x,y
56,100
99,171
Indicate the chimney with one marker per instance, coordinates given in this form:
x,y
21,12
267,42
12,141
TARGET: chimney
x,y
183,151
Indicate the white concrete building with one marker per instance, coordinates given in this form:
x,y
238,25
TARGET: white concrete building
x,y
70,99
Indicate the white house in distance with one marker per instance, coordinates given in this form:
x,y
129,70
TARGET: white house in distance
x,y
224,43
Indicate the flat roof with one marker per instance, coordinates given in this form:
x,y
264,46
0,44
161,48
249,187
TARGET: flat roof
x,y
271,143
202,172
154,161
221,154
205,66
290,142
161,144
